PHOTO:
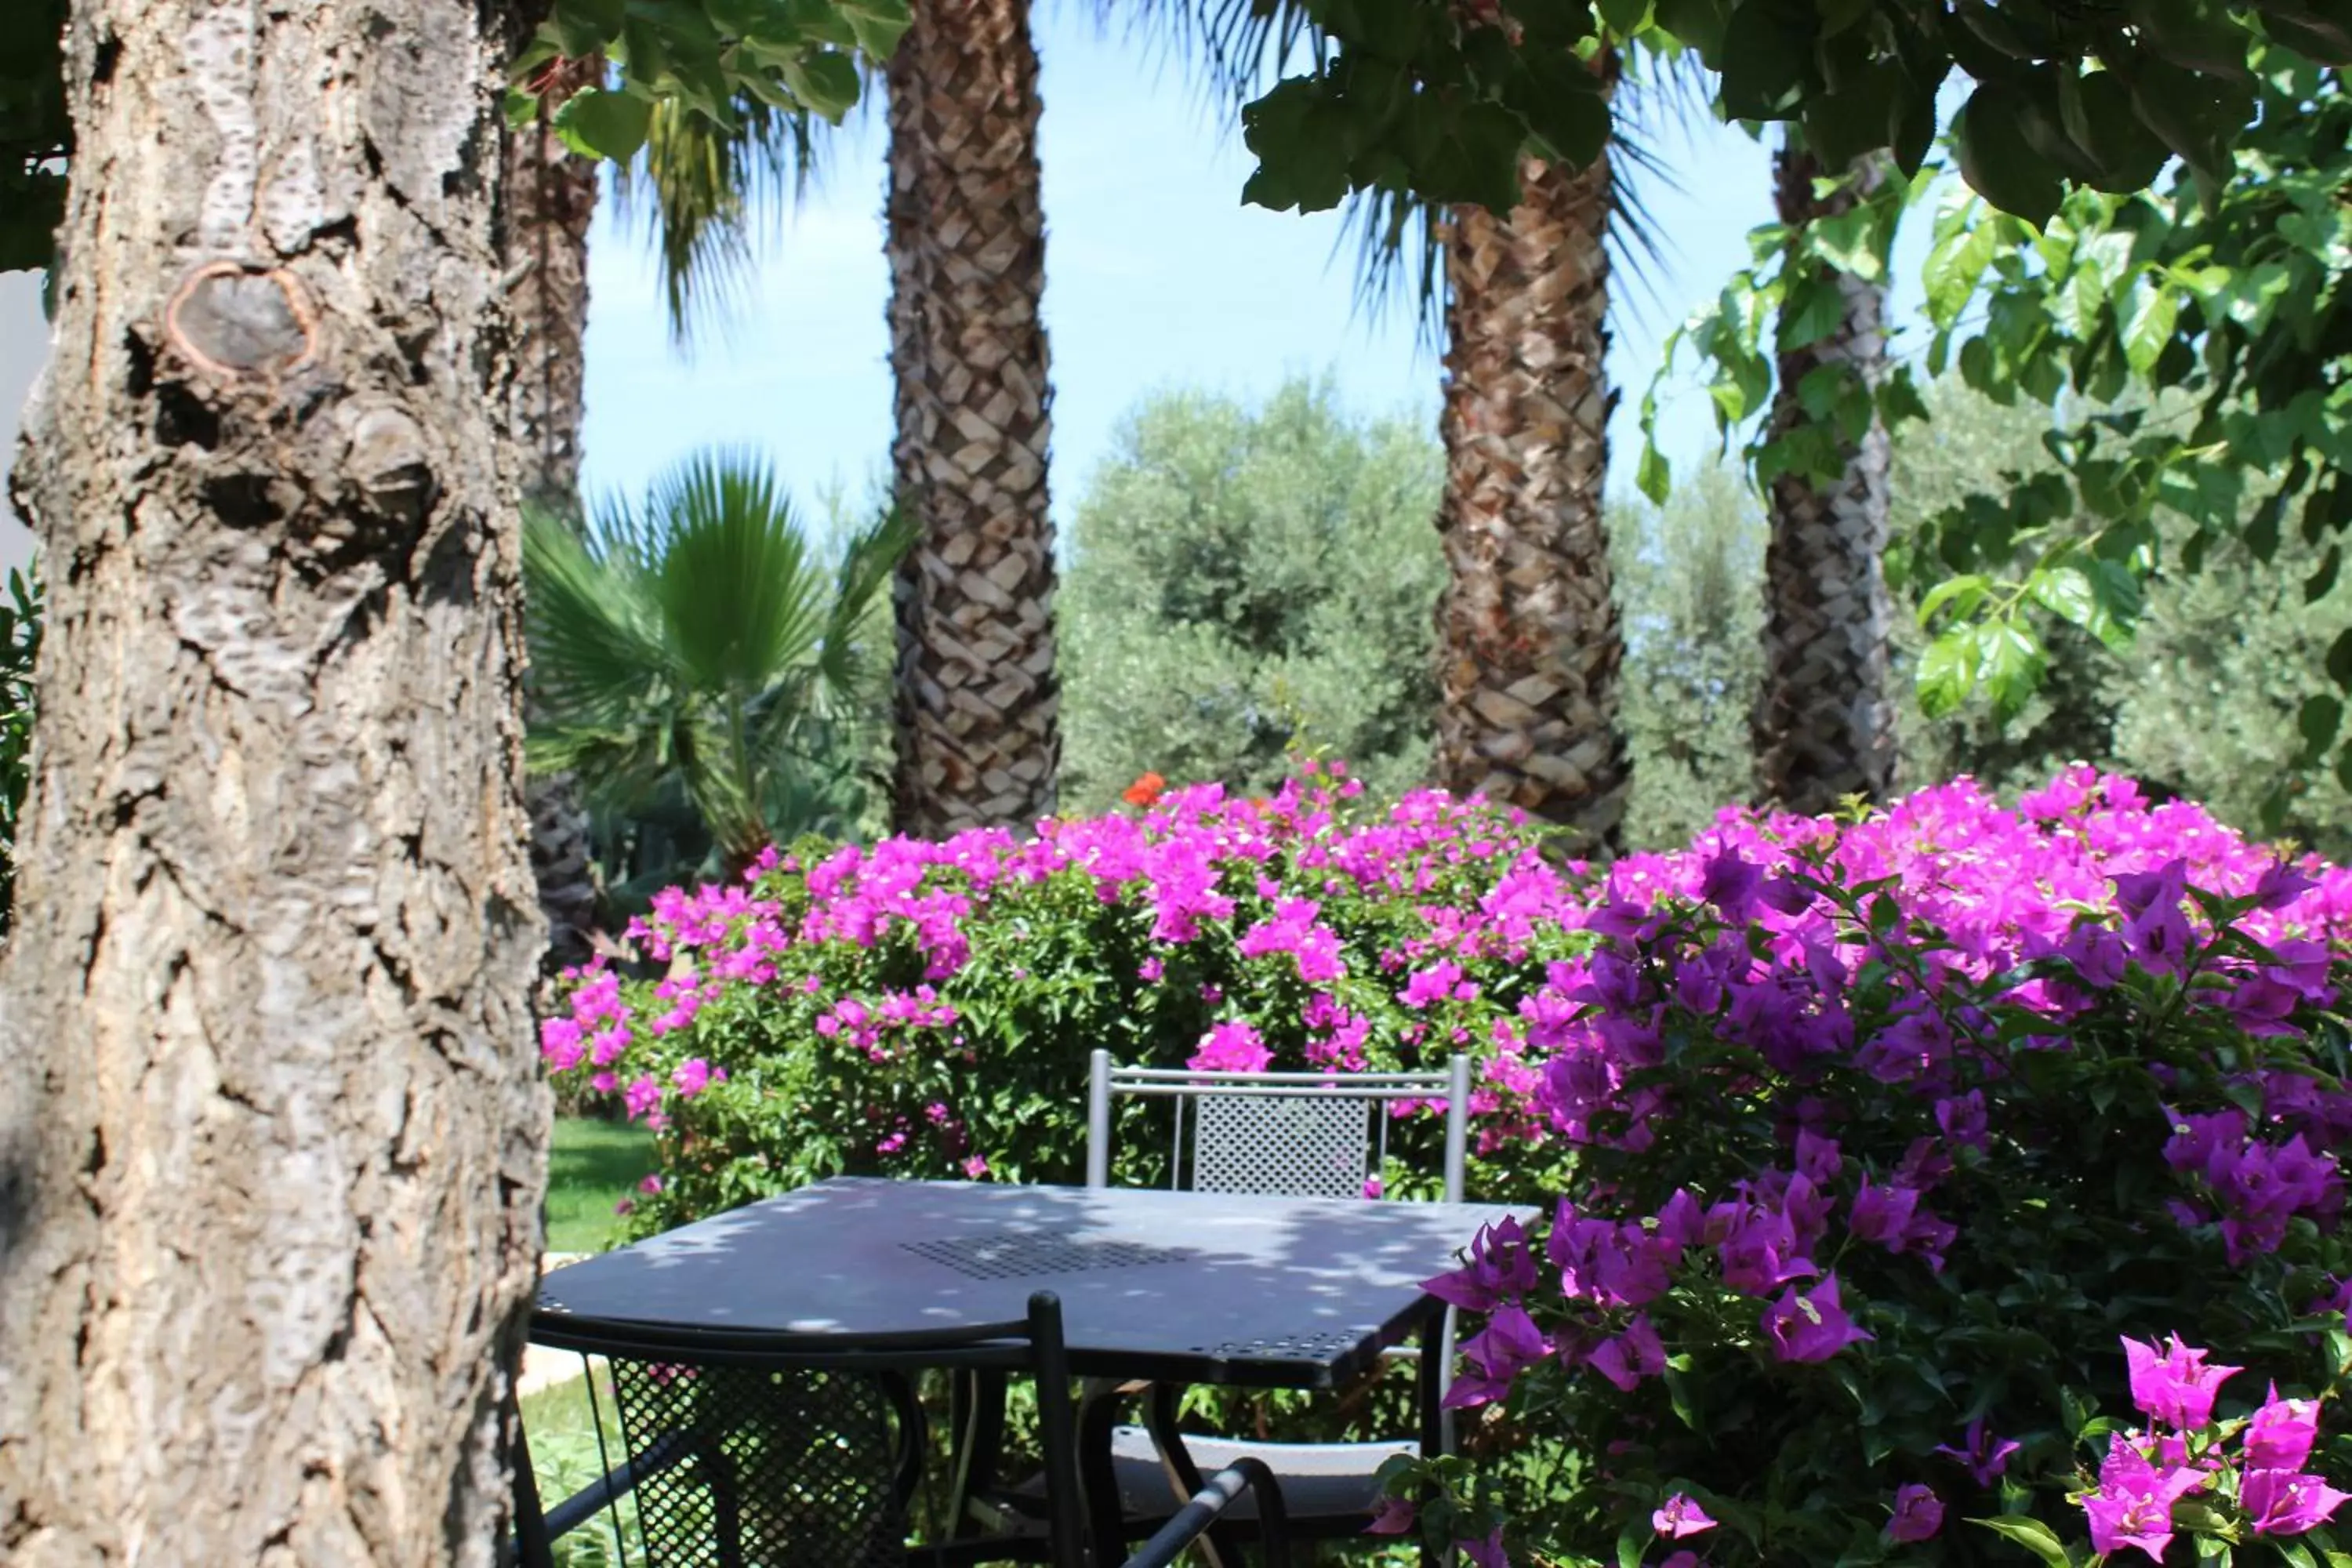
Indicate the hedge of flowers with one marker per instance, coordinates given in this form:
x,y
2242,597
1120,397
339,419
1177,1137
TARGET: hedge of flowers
x,y
916,1008
1859,1142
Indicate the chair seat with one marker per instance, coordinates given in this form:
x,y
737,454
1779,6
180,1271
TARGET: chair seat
x,y
1324,1485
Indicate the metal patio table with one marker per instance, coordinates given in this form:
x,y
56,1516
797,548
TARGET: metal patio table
x,y
1156,1286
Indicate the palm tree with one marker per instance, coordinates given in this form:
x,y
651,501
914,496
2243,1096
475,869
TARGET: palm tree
x,y
978,702
1528,644
1824,723
549,201
697,650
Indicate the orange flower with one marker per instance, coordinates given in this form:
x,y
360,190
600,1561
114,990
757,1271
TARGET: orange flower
x,y
1144,791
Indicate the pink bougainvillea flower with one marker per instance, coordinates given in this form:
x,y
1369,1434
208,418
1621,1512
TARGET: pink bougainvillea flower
x,y
2132,1504
1233,1045
975,1167
1986,1456
2284,1503
1812,1327
2282,1432
1683,1559
1679,1516
1918,1514
2176,1388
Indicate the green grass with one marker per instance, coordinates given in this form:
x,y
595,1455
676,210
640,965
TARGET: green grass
x,y
593,1165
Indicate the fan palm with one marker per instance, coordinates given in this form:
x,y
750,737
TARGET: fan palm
x,y
697,651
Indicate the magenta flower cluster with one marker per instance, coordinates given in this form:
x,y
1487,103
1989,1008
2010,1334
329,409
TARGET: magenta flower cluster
x,y
2182,1452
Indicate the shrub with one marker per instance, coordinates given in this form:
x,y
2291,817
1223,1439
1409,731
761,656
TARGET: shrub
x,y
926,1009
1884,1134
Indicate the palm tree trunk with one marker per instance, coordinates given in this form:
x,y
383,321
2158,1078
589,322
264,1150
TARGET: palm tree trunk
x,y
273,1132
1824,725
551,199
1528,646
977,700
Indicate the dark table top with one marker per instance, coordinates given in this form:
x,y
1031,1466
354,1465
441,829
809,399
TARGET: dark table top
x,y
1201,1286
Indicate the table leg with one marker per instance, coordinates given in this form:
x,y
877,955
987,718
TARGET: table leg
x,y
976,1418
1168,1437
1437,1421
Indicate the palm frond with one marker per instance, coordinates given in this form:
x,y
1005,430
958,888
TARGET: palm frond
x,y
697,649
696,191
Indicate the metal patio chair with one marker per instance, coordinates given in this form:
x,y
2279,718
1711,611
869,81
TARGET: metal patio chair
x,y
1304,1134
768,1450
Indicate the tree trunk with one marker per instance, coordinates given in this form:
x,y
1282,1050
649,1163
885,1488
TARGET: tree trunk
x,y
551,199
1528,646
1824,725
272,1129
977,706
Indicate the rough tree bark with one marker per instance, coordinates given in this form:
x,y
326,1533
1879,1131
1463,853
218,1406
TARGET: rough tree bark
x,y
1824,723
271,1123
979,741
1529,645
550,202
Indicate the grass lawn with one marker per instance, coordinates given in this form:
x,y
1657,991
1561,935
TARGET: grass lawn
x,y
593,1165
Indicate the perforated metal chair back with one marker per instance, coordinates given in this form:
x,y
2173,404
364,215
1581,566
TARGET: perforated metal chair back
x,y
786,1451
1285,1134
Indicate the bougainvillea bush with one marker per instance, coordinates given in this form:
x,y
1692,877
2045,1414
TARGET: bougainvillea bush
x,y
1885,1134
926,1009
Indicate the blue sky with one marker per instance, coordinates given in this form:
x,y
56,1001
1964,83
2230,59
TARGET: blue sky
x,y
1156,276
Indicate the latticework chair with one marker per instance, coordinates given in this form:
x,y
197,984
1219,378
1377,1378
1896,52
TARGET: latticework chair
x,y
766,1451
1281,1133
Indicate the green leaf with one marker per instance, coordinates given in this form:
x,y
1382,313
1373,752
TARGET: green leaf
x,y
1946,672
1955,266
2339,659
1768,57
1998,162
1624,18
1813,310
825,80
2322,578
584,28
2150,312
879,25
2318,720
1653,477
2010,665
598,123
2030,1533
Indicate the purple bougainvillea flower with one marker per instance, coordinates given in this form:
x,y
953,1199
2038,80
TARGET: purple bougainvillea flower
x,y
2176,1388
2284,1503
1918,1514
1986,1456
1680,1515
1396,1516
1501,1268
1486,1553
2282,1432
1812,1327
1683,1559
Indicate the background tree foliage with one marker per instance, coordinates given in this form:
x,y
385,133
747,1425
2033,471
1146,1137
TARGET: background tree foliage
x,y
1174,666
1245,579
36,136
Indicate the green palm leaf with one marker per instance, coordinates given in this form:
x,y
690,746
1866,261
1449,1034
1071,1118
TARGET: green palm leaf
x,y
699,648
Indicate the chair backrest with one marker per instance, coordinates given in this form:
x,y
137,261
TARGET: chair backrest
x,y
1292,1134
765,1450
